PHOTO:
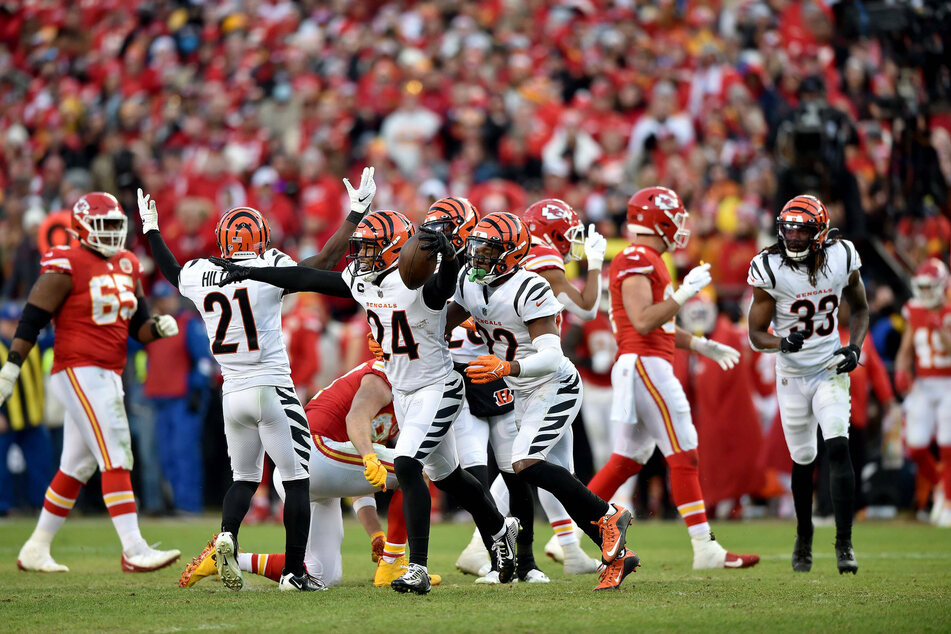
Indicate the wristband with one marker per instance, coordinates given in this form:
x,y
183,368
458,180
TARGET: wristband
x,y
355,217
15,358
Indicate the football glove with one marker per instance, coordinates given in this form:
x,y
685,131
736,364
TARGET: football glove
x,y
375,348
850,361
234,272
792,342
434,242
374,471
377,544
488,368
595,246
9,374
362,198
469,325
147,212
164,326
693,283
725,356
903,381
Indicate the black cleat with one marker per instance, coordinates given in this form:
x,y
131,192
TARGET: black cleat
x,y
802,554
845,557
415,580
300,583
504,550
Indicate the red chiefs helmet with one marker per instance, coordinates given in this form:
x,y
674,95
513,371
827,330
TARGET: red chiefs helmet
x,y
555,223
803,226
100,223
930,283
659,211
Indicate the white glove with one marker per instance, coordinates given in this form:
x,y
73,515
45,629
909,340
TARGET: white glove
x,y
694,281
361,199
595,246
147,212
9,374
724,355
165,326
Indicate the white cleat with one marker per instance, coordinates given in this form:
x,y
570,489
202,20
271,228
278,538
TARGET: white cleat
x,y
708,554
577,561
226,559
554,550
491,578
534,576
944,519
35,557
148,559
938,505
474,560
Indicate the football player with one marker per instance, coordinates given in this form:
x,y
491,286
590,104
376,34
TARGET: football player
x,y
261,409
93,294
797,285
926,345
409,325
515,313
650,408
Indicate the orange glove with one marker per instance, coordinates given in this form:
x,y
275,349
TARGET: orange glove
x,y
377,542
469,325
902,381
375,348
488,368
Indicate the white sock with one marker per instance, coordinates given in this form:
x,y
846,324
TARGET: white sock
x,y
46,527
244,562
127,526
565,532
699,530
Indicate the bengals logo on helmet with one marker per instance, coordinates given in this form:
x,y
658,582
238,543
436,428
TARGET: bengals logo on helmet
x,y
242,231
376,243
496,247
503,396
803,212
456,217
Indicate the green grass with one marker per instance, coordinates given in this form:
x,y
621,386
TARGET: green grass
x,y
904,584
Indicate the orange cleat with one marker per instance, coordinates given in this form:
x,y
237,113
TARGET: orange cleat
x,y
613,533
614,573
200,567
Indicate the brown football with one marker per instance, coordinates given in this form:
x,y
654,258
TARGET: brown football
x,y
415,266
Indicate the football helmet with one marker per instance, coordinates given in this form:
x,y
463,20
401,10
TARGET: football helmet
x,y
455,217
99,222
554,222
803,226
376,243
929,286
496,246
242,232
659,211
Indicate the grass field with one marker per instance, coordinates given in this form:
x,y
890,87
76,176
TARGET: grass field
x,y
904,584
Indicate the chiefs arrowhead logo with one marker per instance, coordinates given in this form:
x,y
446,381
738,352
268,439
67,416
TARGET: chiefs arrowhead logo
x,y
503,397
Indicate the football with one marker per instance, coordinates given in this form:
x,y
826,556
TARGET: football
x,y
415,266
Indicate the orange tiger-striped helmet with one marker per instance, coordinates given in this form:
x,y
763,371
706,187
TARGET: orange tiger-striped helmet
x,y
496,246
242,232
456,217
376,243
803,226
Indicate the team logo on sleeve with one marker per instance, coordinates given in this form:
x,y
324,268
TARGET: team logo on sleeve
x,y
503,397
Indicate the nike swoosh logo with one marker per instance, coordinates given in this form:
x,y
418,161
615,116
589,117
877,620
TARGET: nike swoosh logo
x,y
364,198
736,563
613,551
539,303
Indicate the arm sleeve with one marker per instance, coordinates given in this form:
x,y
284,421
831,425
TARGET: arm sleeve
x,y
164,259
546,360
139,317
302,279
441,286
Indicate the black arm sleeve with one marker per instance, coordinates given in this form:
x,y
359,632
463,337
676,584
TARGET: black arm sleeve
x,y
139,317
32,321
302,279
164,259
441,286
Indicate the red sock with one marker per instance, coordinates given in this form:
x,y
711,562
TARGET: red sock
x,y
927,467
946,466
395,521
612,475
685,489
117,492
269,566
61,494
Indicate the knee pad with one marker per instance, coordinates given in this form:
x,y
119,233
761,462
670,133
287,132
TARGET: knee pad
x,y
838,449
407,468
803,455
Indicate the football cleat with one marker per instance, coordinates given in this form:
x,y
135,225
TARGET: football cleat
x,y
226,560
504,549
200,567
708,554
613,533
387,572
554,549
845,557
802,554
149,559
474,557
489,578
533,576
415,580
577,561
300,583
35,557
614,573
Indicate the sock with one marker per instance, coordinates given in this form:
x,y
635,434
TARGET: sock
x,y
560,520
416,507
927,467
475,499
564,532
395,545
842,486
685,489
60,498
802,485
522,504
269,566
296,524
584,507
481,473
117,494
235,506
612,475
946,464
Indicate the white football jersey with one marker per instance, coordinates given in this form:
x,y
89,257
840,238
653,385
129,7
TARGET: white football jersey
x,y
501,313
802,306
465,345
243,321
411,333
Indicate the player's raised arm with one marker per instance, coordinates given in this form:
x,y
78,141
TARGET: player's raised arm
x,y
360,201
295,279
583,303
166,262
442,285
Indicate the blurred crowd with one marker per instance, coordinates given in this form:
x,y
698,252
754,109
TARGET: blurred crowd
x,y
735,104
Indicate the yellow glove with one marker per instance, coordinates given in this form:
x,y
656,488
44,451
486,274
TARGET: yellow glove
x,y
374,471
488,368
377,542
375,347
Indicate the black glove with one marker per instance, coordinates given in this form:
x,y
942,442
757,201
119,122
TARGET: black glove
x,y
792,342
235,272
435,242
851,354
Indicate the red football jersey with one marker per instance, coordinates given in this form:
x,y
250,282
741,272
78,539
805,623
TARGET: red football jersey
x,y
638,259
92,325
327,411
596,337
543,257
932,358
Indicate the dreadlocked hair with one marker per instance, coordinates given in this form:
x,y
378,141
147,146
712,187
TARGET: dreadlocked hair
x,y
817,261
